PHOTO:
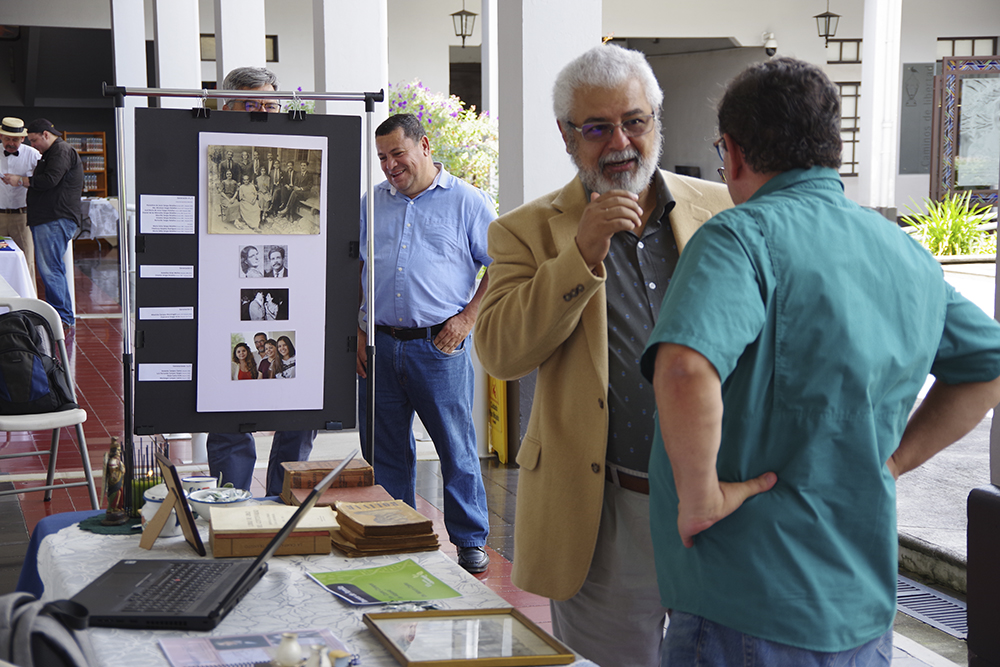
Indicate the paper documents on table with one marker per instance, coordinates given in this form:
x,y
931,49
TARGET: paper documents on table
x,y
404,581
239,650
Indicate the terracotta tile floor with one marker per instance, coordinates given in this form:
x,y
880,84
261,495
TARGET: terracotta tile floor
x,y
95,350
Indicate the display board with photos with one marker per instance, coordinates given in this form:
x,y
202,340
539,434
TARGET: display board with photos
x,y
247,271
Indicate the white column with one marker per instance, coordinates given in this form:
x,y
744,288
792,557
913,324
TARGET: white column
x,y
491,62
239,36
354,60
879,104
128,34
536,40
176,28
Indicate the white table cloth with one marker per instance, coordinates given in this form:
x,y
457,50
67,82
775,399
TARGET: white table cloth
x,y
14,269
285,599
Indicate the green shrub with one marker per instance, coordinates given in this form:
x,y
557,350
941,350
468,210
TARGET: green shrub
x,y
465,142
951,226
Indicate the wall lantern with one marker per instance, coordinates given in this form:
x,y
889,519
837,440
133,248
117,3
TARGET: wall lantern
x,y
463,23
826,23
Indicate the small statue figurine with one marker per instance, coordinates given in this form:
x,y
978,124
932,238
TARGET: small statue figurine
x,y
114,486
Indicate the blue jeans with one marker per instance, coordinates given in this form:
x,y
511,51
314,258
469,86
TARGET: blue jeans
x,y
695,641
51,240
413,376
235,454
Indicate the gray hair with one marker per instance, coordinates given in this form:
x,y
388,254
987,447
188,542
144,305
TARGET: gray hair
x,y
248,78
605,66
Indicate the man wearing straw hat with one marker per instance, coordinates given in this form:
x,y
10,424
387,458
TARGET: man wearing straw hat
x,y
18,160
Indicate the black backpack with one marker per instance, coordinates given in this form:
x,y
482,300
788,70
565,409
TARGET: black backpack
x,y
31,377
44,634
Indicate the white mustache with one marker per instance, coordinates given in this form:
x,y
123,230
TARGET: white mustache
x,y
620,156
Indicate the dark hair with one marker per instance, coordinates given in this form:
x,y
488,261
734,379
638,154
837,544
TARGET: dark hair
x,y
274,248
784,114
288,342
253,366
276,365
244,256
402,121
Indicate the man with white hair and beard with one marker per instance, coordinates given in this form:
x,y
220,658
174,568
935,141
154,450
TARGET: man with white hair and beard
x,y
575,288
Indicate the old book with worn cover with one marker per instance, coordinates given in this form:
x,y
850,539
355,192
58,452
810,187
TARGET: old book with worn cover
x,y
350,550
386,517
245,531
388,541
347,494
306,474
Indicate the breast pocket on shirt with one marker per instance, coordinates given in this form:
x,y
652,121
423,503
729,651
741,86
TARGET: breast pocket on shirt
x,y
443,237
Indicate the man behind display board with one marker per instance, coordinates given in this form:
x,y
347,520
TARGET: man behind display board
x,y
235,454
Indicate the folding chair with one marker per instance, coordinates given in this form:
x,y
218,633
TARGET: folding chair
x,y
50,420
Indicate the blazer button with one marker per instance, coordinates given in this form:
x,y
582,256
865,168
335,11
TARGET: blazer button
x,y
600,403
596,467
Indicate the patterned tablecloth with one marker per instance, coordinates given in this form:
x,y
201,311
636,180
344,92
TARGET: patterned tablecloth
x,y
285,599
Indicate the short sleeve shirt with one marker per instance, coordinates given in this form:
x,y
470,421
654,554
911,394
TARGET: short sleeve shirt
x,y
823,321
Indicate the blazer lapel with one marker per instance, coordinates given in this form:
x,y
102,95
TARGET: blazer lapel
x,y
686,217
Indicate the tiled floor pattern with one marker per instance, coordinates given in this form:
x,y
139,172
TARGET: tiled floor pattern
x,y
95,350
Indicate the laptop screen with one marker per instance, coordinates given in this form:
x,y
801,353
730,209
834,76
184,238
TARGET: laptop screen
x,y
289,526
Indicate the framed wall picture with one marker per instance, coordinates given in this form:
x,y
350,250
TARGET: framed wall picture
x,y
479,637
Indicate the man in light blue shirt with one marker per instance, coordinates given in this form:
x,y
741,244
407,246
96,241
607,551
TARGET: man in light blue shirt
x,y
791,346
430,244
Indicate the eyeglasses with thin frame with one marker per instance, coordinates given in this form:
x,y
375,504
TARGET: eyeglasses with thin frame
x,y
720,145
633,127
261,105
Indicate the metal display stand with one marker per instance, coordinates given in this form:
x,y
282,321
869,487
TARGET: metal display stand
x,y
126,241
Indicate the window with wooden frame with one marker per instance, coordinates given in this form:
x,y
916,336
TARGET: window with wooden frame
x,y
207,44
843,51
850,93
966,47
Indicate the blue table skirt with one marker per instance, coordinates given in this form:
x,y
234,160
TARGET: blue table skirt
x,y
29,581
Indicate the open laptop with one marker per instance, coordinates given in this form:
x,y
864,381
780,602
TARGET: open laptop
x,y
183,594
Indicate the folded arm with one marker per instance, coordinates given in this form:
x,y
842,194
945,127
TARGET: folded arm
x,y
689,404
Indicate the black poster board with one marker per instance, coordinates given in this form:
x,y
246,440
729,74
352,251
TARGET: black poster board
x,y
166,163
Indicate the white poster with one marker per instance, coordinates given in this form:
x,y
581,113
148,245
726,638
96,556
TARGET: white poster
x,y
262,267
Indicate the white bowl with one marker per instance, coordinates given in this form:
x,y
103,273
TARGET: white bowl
x,y
203,501
198,482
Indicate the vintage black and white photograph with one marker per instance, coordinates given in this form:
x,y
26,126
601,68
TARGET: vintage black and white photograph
x,y
263,190
262,355
263,231
263,304
263,261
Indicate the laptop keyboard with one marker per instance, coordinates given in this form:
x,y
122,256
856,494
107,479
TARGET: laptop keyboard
x,y
179,586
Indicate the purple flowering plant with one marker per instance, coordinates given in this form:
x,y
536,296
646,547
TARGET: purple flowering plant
x,y
464,141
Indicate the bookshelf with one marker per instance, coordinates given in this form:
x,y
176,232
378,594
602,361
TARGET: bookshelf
x,y
92,148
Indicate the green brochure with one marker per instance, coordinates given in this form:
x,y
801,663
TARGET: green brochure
x,y
400,582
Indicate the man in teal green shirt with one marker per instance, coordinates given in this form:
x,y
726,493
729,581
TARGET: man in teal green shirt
x,y
791,345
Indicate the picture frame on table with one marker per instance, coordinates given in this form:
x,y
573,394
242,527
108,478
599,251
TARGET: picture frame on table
x,y
478,637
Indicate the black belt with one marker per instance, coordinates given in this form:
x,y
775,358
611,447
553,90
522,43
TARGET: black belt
x,y
14,211
627,481
410,334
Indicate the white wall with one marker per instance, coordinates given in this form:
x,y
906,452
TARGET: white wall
x,y
420,32
689,120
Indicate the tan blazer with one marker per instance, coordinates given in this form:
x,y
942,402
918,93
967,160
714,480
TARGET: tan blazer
x,y
544,309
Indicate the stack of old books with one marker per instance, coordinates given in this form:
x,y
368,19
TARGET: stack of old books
x,y
356,482
382,527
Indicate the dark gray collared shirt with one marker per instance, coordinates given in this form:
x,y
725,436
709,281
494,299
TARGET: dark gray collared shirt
x,y
638,271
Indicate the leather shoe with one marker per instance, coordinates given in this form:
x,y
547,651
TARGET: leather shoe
x,y
473,559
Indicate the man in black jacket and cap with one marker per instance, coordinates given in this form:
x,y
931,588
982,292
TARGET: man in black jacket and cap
x,y
54,191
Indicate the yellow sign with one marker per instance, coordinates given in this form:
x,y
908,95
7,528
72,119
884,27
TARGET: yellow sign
x,y
498,417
